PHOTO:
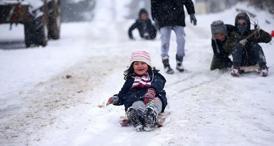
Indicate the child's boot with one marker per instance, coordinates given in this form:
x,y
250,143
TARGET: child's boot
x,y
135,118
263,71
150,119
235,72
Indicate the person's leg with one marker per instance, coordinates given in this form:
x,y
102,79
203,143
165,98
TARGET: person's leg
x,y
153,108
216,63
165,38
227,62
220,62
256,56
238,57
155,105
180,40
135,114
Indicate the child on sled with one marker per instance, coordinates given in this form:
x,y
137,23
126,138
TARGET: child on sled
x,y
143,93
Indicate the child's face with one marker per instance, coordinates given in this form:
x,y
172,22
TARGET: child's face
x,y
140,68
144,16
219,36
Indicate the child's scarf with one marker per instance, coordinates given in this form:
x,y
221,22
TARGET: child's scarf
x,y
141,81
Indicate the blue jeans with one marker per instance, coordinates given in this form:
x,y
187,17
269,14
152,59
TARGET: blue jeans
x,y
165,39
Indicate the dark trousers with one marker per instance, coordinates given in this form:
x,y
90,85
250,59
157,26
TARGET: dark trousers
x,y
250,54
220,62
149,35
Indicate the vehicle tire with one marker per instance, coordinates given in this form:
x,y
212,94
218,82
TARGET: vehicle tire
x,y
36,32
54,24
29,35
41,31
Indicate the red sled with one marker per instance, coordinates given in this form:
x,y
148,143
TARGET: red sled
x,y
272,33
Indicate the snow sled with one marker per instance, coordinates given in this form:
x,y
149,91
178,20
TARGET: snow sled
x,y
124,122
248,69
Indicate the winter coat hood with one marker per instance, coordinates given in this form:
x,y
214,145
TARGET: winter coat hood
x,y
142,11
244,16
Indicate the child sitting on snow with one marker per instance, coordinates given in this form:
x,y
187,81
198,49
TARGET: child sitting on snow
x,y
143,93
144,26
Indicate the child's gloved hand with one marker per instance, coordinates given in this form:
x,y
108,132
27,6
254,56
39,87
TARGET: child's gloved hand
x,y
150,95
113,100
243,42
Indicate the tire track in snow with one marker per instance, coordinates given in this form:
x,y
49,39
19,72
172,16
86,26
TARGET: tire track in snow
x,y
187,82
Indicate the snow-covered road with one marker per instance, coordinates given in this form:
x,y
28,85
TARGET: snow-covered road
x,y
56,95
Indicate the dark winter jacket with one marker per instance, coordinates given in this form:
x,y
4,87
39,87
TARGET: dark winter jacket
x,y
221,54
127,95
252,35
218,46
171,12
248,53
145,28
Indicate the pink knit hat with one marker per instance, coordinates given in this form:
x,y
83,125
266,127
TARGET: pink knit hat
x,y
140,56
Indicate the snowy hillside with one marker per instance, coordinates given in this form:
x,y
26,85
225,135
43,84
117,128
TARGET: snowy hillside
x,y
56,95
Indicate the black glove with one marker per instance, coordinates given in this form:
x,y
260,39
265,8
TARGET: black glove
x,y
193,19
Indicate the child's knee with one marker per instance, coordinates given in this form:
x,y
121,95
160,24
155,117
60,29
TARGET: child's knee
x,y
138,105
155,104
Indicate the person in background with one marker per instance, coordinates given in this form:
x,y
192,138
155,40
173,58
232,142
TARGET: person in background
x,y
247,51
170,15
144,26
221,49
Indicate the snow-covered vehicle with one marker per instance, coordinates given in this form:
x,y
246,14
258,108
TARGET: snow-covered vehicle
x,y
41,18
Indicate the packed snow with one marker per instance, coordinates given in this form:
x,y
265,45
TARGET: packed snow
x,y
56,95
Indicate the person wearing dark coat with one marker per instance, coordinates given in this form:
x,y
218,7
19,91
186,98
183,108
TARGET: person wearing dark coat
x,y
144,26
221,51
247,51
170,15
142,94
